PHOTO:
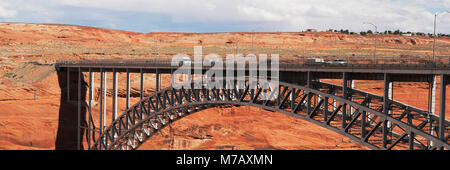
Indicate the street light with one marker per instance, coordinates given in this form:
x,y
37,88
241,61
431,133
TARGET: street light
x,y
375,33
253,38
434,34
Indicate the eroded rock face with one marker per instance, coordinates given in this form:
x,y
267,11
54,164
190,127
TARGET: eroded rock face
x,y
246,128
46,41
30,93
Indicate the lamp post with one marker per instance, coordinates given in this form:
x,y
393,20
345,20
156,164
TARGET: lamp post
x,y
253,39
375,33
434,33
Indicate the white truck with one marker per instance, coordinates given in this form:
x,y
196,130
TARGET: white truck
x,y
314,61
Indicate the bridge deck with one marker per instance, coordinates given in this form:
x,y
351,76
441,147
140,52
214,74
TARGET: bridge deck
x,y
165,66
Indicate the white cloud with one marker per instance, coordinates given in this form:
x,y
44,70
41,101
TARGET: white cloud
x,y
5,12
283,15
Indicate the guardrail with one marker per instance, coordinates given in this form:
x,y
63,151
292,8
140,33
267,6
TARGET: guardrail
x,y
356,63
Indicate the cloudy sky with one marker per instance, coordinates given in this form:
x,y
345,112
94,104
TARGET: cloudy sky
x,y
232,15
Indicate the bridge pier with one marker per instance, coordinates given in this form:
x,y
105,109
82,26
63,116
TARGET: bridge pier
x,y
79,110
68,84
72,114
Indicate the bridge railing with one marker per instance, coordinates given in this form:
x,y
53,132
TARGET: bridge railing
x,y
406,62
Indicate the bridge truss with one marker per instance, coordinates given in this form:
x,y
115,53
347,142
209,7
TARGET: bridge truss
x,y
377,122
362,121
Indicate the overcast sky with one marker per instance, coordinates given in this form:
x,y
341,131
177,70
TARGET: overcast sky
x,y
232,15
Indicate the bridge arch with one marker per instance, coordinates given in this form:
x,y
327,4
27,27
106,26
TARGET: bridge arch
x,y
356,120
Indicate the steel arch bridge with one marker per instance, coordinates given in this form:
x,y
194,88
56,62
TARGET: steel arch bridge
x,y
361,119
378,122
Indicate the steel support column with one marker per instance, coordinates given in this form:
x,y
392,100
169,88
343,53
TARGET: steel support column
x,y
363,124
431,104
368,114
79,111
352,86
104,98
91,83
142,85
318,97
325,109
411,140
345,96
433,95
334,101
442,107
157,79
128,90
391,93
385,107
68,84
390,97
114,102
309,85
102,76
391,90
157,88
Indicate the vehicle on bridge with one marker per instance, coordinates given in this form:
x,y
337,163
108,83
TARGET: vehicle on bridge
x,y
320,61
314,61
338,62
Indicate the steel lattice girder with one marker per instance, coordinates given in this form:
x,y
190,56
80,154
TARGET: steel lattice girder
x,y
148,116
412,116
